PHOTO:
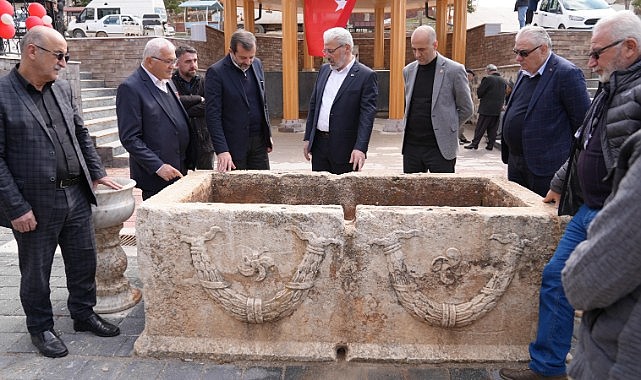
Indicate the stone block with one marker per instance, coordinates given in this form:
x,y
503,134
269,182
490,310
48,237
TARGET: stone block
x,y
360,267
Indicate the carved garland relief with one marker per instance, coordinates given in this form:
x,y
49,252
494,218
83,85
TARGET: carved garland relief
x,y
450,268
256,310
445,314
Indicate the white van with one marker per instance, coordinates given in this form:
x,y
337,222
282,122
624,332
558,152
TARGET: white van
x,y
97,9
570,14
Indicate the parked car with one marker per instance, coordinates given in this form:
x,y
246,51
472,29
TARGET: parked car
x,y
570,14
169,30
95,10
116,25
151,21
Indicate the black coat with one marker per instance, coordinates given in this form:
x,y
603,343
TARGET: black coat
x,y
228,113
491,93
192,98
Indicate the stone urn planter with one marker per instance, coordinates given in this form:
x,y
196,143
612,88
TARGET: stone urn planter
x,y
113,290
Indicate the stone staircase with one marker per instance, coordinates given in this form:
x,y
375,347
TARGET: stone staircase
x,y
99,114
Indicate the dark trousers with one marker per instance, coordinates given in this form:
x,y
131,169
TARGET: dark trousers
x,y
486,123
148,194
322,159
205,161
256,158
70,226
423,159
518,172
528,16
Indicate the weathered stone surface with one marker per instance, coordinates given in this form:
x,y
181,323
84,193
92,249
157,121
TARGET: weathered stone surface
x,y
293,266
113,291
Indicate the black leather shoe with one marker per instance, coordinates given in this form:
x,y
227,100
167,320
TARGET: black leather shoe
x,y
489,147
471,146
464,140
48,343
96,325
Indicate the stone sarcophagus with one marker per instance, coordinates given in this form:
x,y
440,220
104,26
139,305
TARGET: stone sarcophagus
x,y
317,267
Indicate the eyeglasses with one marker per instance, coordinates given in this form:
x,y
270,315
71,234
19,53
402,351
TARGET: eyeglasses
x,y
59,56
596,54
525,53
332,51
167,61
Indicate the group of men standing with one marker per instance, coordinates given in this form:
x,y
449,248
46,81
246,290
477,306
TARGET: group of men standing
x,y
167,125
229,114
554,142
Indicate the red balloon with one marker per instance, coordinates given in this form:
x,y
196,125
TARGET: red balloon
x,y
6,7
7,31
32,21
36,9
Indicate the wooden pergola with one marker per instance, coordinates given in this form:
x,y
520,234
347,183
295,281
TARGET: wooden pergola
x,y
397,9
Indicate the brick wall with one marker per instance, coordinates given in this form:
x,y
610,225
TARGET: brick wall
x,y
497,49
114,59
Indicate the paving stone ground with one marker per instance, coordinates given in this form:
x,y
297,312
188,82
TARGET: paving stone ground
x,y
91,357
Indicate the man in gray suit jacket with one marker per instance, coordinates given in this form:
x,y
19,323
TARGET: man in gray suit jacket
x,y
437,102
48,168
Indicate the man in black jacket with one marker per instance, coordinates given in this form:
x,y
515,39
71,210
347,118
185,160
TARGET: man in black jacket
x,y
491,93
191,89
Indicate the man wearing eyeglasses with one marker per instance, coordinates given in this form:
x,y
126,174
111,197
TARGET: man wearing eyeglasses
x,y
342,108
580,188
236,107
547,106
48,169
152,123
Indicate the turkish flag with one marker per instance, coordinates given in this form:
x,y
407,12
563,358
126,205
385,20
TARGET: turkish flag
x,y
321,15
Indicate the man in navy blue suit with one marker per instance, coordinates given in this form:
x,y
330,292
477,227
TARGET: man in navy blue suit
x,y
152,123
341,109
236,107
547,106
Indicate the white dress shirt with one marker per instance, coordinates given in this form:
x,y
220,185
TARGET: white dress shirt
x,y
332,86
160,83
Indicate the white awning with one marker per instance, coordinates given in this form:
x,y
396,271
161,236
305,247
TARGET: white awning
x,y
202,4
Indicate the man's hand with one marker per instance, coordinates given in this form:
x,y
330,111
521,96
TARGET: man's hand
x,y
168,172
107,181
306,150
552,197
225,162
25,223
270,148
357,159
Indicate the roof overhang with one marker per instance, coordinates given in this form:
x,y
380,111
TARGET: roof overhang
x,y
362,6
202,4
